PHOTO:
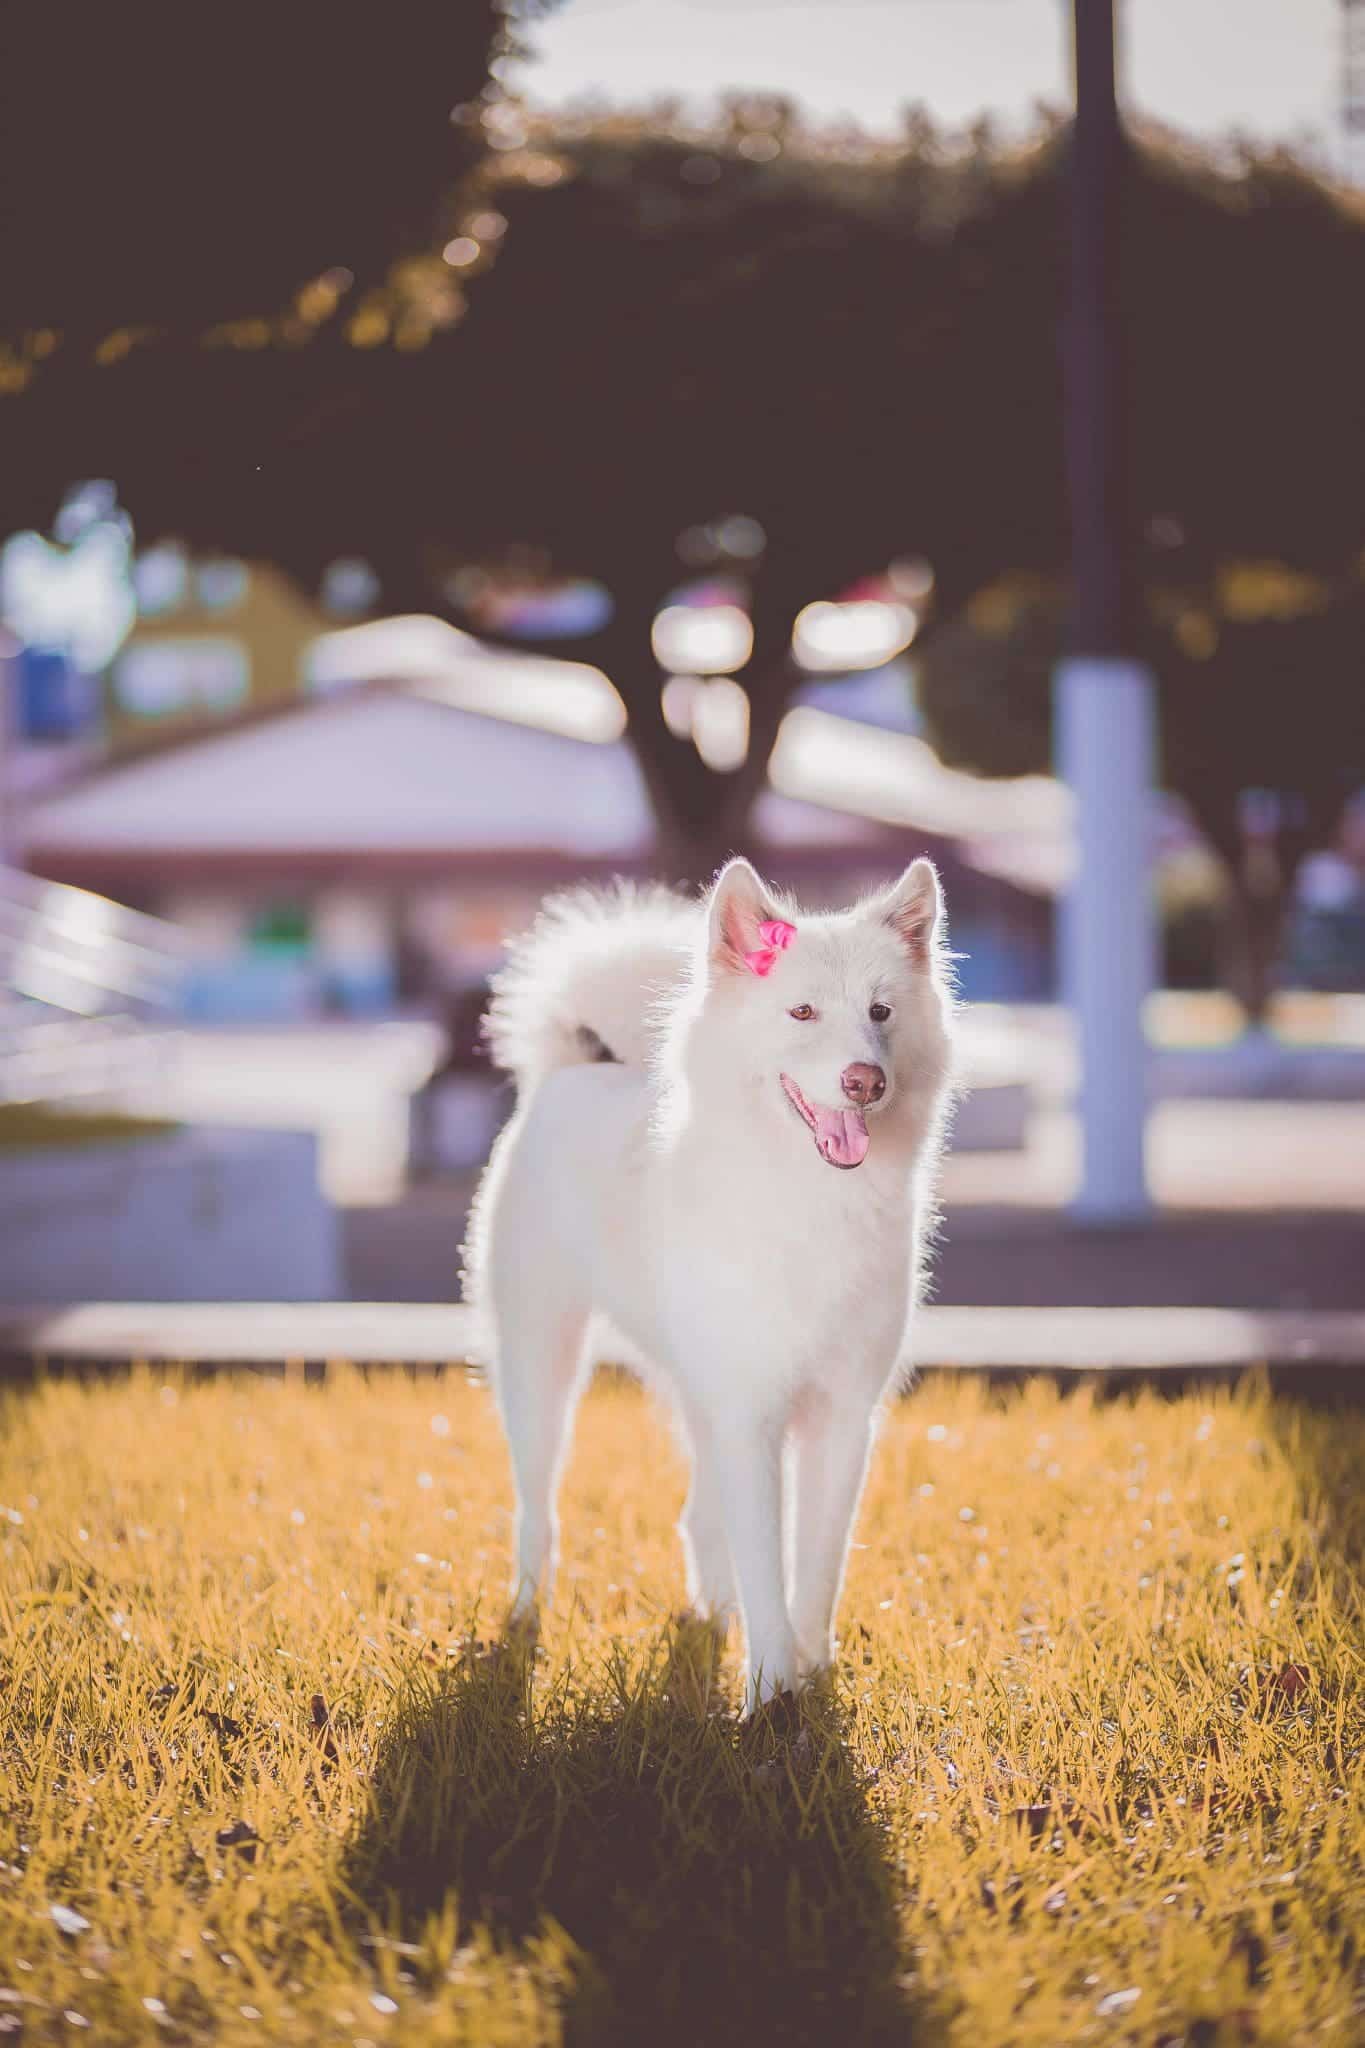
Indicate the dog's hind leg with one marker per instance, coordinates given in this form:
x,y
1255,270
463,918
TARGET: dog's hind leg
x,y
540,1371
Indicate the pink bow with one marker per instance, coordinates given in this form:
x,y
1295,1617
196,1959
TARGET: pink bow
x,y
776,935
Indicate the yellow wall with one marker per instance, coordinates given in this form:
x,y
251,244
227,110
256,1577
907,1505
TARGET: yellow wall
x,y
274,621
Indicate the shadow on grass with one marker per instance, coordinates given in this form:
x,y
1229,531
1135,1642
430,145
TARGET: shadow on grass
x,y
1325,1443
719,1884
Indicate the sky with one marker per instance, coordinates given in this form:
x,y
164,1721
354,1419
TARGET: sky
x,y
1270,67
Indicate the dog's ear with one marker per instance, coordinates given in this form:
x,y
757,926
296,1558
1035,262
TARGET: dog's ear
x,y
913,908
745,933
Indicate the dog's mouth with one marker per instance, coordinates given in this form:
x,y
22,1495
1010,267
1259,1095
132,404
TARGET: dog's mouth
x,y
841,1135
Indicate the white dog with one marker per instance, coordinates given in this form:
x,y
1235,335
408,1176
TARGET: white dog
x,y
696,1084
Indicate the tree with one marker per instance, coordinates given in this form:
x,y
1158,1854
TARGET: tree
x,y
857,347
200,206
1259,687
852,343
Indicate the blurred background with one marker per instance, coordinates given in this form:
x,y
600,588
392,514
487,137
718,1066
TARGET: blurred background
x,y
448,456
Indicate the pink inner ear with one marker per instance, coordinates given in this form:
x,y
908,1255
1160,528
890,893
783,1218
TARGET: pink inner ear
x,y
761,963
777,933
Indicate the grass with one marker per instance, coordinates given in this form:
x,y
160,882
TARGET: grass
x,y
1089,1770
37,1126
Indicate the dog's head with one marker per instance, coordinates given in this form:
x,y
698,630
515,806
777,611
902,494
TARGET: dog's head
x,y
835,1022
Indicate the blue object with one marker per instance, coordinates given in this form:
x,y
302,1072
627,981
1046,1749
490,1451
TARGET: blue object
x,y
53,699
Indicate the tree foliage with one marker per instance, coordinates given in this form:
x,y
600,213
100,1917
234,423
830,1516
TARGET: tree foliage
x,y
187,170
1258,689
648,326
1259,683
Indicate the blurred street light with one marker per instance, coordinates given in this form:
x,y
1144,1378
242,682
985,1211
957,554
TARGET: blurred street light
x,y
720,724
830,639
710,640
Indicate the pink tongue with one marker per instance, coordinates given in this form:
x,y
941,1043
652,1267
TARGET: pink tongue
x,y
841,1136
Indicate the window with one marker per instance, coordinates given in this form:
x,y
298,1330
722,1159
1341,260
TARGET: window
x,y
158,678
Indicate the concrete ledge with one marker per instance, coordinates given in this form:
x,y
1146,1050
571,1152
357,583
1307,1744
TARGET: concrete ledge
x,y
308,1337
1259,1068
230,1214
992,1117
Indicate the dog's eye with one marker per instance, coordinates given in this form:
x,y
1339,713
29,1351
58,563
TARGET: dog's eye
x,y
802,1013
879,1012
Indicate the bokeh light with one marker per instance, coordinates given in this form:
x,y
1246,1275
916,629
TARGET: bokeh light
x,y
828,638
702,640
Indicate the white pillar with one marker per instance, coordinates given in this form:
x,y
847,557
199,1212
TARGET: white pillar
x,y
1104,728
9,719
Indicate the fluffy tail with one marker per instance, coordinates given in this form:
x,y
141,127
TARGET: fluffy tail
x,y
586,981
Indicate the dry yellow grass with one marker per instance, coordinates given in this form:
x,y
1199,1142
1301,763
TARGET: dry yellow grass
x,y
1089,1772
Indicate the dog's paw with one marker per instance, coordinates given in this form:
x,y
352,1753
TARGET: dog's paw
x,y
521,1629
695,1646
815,1661
695,1621
773,1707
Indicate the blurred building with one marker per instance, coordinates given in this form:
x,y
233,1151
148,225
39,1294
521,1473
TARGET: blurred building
x,y
212,638
372,845
345,852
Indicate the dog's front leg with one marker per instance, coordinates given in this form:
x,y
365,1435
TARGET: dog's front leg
x,y
748,1464
706,1547
832,1443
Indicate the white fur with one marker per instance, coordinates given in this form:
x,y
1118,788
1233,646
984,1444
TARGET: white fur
x,y
680,1197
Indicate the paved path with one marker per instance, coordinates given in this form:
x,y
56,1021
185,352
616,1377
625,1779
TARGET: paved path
x,y
308,1337
1277,1260
1003,1254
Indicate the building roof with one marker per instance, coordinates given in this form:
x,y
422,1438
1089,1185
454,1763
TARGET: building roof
x,y
371,772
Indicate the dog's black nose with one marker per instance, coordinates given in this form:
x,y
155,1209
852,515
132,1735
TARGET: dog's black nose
x,y
863,1083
